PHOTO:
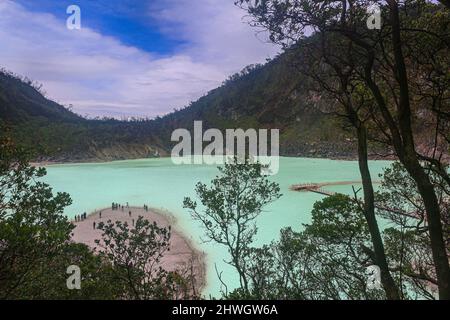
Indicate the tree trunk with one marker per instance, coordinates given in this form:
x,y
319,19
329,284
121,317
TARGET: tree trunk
x,y
387,281
408,157
433,214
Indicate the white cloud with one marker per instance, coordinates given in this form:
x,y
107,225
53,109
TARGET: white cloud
x,y
216,31
101,76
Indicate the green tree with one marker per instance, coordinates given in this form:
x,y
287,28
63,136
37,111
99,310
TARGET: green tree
x,y
97,281
329,257
408,242
325,261
36,247
33,230
390,63
136,254
231,206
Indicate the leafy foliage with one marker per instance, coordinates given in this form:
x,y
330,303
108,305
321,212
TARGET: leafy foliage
x,y
32,228
136,254
231,205
328,258
36,247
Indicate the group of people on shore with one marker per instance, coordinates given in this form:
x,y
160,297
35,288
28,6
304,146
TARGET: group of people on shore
x,y
117,206
81,217
114,206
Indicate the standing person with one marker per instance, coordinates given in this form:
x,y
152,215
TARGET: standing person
x,y
93,224
100,215
132,222
129,214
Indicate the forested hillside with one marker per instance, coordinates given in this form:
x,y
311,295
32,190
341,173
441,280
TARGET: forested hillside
x,y
57,134
273,95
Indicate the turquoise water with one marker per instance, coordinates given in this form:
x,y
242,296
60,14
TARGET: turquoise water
x,y
163,185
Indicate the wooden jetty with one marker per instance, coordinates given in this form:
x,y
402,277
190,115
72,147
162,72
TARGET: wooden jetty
x,y
319,189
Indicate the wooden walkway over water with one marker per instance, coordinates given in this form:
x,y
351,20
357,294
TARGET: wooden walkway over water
x,y
319,189
313,187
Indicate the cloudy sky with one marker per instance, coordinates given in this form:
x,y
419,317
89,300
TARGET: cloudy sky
x,y
131,57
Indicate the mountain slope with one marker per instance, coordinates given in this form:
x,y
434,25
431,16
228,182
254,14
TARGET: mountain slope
x,y
269,96
21,101
57,134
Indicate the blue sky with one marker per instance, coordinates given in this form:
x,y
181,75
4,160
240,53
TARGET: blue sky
x,y
124,20
130,58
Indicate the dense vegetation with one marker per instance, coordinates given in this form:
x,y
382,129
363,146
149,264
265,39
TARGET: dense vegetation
x,y
269,96
56,133
387,87
388,84
36,248
330,258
